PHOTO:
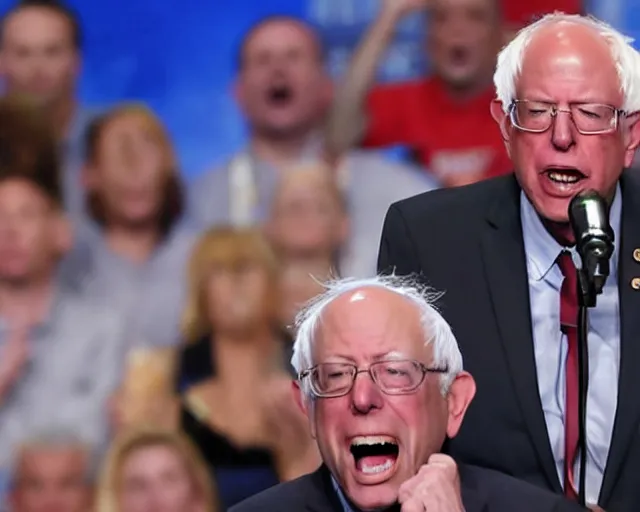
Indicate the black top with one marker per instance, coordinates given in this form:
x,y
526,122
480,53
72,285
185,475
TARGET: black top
x,y
196,361
238,473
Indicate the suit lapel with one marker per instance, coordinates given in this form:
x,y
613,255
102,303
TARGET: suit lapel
x,y
322,496
506,275
628,409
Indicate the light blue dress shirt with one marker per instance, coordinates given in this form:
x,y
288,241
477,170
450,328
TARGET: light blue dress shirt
x,y
550,346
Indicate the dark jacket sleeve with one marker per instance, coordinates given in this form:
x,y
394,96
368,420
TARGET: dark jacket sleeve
x,y
564,505
398,254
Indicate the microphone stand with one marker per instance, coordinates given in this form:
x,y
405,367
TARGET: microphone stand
x,y
591,279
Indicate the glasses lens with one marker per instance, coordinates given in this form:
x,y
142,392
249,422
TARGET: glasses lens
x,y
332,378
397,376
532,115
588,117
593,117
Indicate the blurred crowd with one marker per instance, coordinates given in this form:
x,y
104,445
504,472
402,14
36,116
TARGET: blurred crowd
x,y
145,337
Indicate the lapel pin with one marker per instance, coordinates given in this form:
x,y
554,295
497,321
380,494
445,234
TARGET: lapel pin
x,y
635,283
636,255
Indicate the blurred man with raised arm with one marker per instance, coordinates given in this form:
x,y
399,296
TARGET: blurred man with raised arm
x,y
443,118
382,383
568,99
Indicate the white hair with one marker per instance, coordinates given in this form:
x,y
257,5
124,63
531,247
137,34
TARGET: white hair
x,y
437,331
56,438
625,57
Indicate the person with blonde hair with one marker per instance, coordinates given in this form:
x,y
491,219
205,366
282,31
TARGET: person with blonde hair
x,y
238,407
149,470
134,245
308,226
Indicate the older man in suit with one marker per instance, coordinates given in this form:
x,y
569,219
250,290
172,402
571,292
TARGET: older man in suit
x,y
382,383
568,101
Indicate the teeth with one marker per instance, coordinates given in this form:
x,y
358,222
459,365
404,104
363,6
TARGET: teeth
x,y
563,178
377,469
370,440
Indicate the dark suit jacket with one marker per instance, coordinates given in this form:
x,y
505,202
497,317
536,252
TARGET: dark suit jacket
x,y
483,490
468,243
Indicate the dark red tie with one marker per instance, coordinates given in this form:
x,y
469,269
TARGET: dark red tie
x,y
569,326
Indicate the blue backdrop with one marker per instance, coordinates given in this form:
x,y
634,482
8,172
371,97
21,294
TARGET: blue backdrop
x,y
179,57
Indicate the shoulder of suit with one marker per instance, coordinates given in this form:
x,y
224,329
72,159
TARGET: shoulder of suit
x,y
283,497
633,176
502,488
445,203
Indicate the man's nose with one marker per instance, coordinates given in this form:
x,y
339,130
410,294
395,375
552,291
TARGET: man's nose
x,y
562,131
365,394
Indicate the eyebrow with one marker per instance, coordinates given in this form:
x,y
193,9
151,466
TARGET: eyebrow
x,y
393,355
584,99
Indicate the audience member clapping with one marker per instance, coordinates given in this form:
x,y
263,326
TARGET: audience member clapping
x,y
147,393
249,430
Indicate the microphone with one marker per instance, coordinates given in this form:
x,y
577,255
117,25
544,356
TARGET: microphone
x,y
589,217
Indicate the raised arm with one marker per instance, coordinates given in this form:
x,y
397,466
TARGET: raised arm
x,y
348,120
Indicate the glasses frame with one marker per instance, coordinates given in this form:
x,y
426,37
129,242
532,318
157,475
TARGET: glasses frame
x,y
554,113
424,369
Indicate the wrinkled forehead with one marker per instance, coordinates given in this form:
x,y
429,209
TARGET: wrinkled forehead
x,y
369,323
572,55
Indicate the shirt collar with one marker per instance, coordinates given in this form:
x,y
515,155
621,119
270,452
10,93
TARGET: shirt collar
x,y
346,506
309,152
51,315
542,249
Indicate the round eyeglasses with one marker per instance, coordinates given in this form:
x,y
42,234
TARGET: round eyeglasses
x,y
330,380
588,118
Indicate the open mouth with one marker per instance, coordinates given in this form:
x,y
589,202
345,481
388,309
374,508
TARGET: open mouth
x,y
459,55
564,176
374,455
280,95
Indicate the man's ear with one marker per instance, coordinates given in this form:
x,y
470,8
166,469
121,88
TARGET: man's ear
x,y
502,118
305,404
461,393
632,137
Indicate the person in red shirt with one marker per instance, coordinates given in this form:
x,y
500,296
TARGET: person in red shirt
x,y
445,118
518,14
